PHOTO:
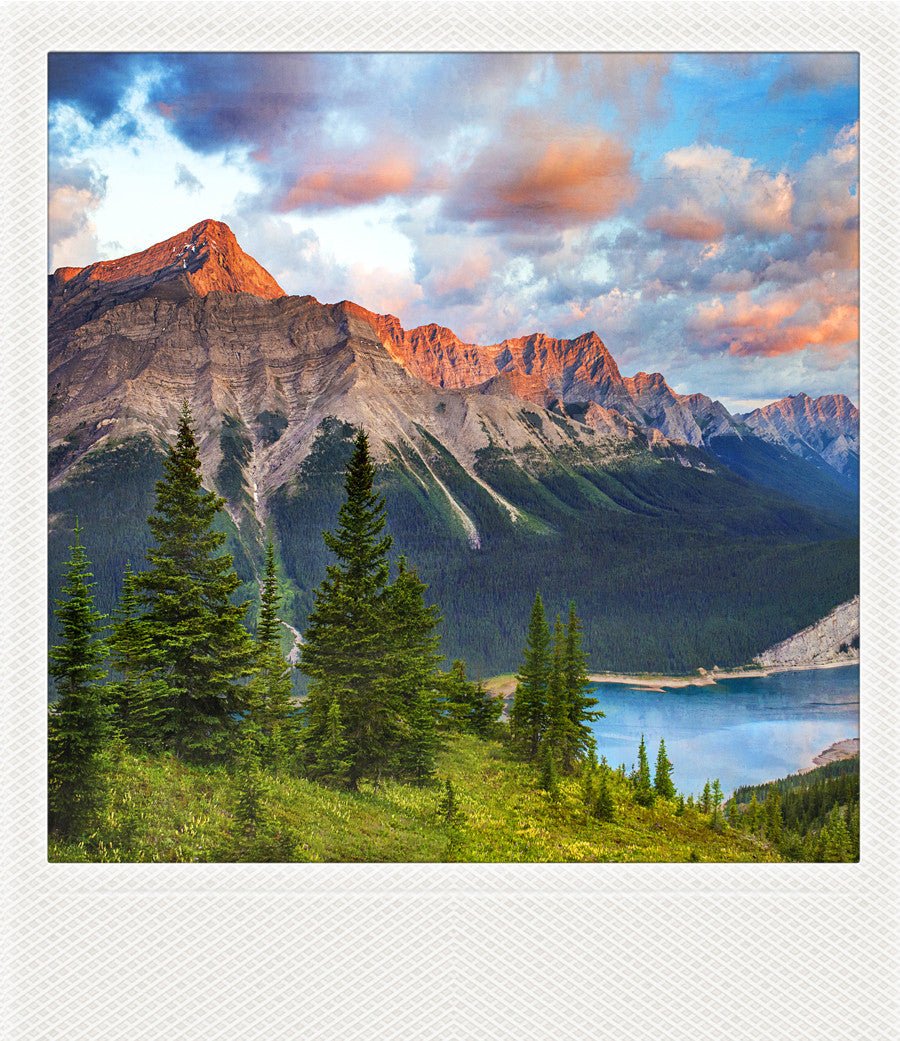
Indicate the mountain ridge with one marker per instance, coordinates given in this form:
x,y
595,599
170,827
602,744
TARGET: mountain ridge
x,y
544,467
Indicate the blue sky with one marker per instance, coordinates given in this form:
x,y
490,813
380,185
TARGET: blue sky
x,y
699,212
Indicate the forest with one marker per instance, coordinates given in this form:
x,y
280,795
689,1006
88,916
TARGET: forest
x,y
670,571
175,734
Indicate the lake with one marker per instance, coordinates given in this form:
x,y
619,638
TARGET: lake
x,y
743,731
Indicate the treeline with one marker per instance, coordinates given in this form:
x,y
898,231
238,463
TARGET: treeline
x,y
185,677
672,569
810,817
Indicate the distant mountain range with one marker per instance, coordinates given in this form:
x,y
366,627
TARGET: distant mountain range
x,y
507,466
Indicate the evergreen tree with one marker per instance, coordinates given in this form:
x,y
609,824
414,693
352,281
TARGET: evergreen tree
x,y
706,798
581,707
716,800
193,637
772,814
134,697
485,713
468,706
662,779
271,707
643,791
751,817
346,646
548,779
420,749
410,630
605,806
558,734
78,723
528,716
331,763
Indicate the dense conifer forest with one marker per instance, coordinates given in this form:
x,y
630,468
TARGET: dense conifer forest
x,y
175,735
670,571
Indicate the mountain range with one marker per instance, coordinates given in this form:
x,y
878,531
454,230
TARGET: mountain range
x,y
528,463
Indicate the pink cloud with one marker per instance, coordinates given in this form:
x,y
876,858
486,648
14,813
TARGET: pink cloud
x,y
544,175
686,223
781,325
715,187
340,186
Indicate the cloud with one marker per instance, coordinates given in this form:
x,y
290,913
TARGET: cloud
x,y
689,222
780,324
340,185
187,180
729,190
828,199
545,175
94,83
75,192
804,73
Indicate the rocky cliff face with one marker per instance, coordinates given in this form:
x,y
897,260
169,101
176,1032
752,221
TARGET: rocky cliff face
x,y
825,428
196,317
821,642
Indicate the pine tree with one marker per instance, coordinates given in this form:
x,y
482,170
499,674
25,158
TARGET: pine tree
x,y
409,670
331,763
78,724
716,800
548,780
135,696
558,734
419,750
772,814
662,780
346,646
529,711
605,806
581,708
271,707
643,790
751,817
706,798
468,706
193,636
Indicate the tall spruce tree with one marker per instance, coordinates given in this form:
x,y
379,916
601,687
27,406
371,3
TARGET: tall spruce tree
x,y
346,645
78,724
662,778
558,732
581,707
271,707
134,696
528,716
193,636
643,791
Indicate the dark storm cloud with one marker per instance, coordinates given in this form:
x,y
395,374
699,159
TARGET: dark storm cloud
x,y
92,82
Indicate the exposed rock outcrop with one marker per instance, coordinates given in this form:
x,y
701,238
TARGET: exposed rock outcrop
x,y
830,639
824,428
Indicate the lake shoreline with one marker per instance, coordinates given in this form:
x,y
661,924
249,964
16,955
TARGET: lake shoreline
x,y
651,683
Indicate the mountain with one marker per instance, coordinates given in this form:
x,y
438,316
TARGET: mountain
x,y
823,430
533,462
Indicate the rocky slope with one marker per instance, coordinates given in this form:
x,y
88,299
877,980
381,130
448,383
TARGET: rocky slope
x,y
530,463
828,640
825,428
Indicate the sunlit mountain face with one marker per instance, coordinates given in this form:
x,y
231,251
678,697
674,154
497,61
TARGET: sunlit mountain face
x,y
686,534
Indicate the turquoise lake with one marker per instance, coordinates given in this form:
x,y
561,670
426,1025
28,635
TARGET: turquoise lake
x,y
743,731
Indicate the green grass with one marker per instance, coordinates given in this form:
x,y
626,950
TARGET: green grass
x,y
163,810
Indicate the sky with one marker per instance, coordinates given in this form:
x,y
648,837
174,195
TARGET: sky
x,y
700,212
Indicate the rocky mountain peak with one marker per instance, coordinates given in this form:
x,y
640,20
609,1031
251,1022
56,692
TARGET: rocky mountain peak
x,y
206,256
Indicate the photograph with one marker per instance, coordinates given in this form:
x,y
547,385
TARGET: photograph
x,y
453,457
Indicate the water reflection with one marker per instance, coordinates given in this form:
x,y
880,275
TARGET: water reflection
x,y
743,731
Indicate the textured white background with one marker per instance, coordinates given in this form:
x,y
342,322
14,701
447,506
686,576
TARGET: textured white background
x,y
205,952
